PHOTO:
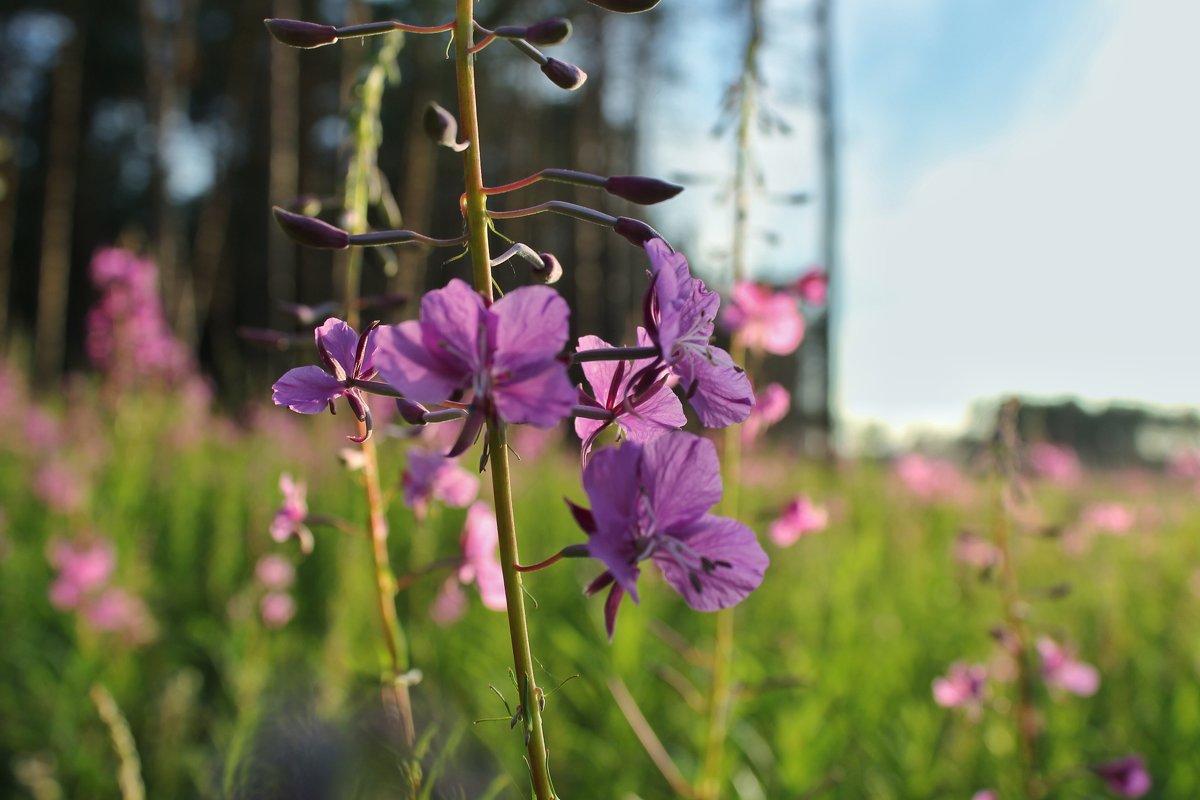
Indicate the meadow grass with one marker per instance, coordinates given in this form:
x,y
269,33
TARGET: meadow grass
x,y
835,653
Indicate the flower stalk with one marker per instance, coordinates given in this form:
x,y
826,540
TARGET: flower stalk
x,y
475,208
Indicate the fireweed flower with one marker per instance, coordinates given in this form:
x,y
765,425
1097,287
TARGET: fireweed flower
x,y
83,569
1127,777
643,416
1115,518
431,476
289,518
118,611
770,406
1062,670
1055,463
479,565
506,355
766,320
275,572
347,357
799,517
680,313
812,287
929,479
651,501
972,550
961,687
276,609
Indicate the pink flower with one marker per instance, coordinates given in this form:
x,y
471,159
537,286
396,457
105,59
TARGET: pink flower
x,y
277,609
289,519
1108,517
770,406
975,551
1056,463
83,569
929,478
812,287
432,476
480,542
961,687
1127,777
119,611
1061,670
985,794
450,603
60,488
1184,464
275,572
765,319
799,517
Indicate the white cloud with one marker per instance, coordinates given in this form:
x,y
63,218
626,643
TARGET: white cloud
x,y
1063,255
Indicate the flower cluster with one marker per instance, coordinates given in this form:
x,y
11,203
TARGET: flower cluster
x,y
85,569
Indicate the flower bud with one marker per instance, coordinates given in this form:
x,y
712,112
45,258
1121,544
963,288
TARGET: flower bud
x,y
645,191
310,231
411,411
625,6
636,231
564,75
297,33
555,30
442,128
550,271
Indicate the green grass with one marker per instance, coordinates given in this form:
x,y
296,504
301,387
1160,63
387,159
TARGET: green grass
x,y
836,651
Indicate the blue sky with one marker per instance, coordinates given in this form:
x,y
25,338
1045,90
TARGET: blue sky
x,y
1021,202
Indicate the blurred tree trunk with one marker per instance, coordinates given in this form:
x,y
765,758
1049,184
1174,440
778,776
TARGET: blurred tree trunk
x,y
10,177
588,135
54,272
284,171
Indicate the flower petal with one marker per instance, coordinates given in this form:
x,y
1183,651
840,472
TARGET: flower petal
x,y
306,390
718,390
682,476
339,340
540,394
453,318
531,326
423,374
737,558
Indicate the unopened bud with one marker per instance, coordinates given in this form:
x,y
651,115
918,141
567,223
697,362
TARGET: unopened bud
x,y
411,411
310,231
442,128
550,271
555,30
645,191
564,75
636,231
298,33
625,6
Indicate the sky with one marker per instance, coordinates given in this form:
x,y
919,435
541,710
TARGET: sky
x,y
1021,205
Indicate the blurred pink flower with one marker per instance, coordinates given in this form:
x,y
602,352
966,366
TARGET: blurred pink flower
x,y
450,603
1061,670
961,687
59,487
83,568
530,442
929,478
799,517
289,519
277,609
985,794
480,542
1108,517
1055,462
432,476
975,551
42,431
119,611
275,572
812,287
766,320
770,406
1184,464
1127,777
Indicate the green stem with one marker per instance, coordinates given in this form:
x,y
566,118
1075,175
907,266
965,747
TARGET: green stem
x,y
477,238
395,680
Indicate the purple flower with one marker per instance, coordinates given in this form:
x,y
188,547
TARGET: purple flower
x,y
507,355
1115,518
680,313
961,687
651,501
347,357
432,476
642,416
1062,670
767,320
975,551
116,610
1126,776
83,569
289,518
1054,462
480,565
812,287
799,517
277,609
275,572
770,406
